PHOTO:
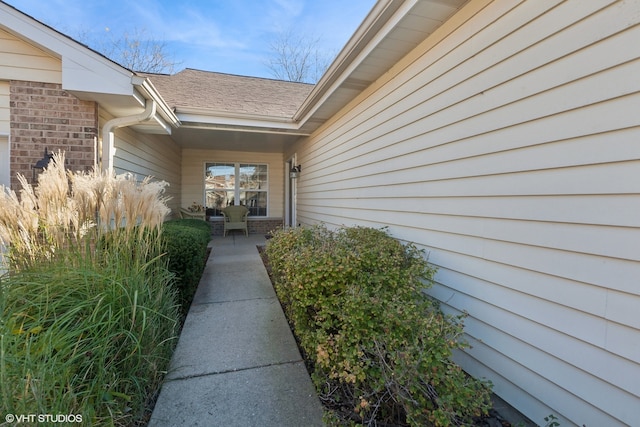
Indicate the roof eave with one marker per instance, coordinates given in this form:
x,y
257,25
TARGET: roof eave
x,y
225,119
365,58
150,92
348,57
86,73
83,69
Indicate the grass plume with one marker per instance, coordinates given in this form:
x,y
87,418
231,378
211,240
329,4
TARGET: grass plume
x,y
66,210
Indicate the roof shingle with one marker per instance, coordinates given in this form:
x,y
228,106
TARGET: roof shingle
x,y
231,93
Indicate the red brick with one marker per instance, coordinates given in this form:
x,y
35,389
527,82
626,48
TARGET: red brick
x,y
43,115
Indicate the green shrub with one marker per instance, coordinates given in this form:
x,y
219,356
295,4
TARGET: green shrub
x,y
381,349
186,247
84,337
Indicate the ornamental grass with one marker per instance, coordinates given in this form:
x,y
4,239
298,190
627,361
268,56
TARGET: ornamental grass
x,y
88,308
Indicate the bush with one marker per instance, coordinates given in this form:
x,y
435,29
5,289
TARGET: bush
x,y
186,247
88,314
380,348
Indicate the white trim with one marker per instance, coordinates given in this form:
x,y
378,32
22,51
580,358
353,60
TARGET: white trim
x,y
237,190
5,162
198,118
208,112
167,118
290,191
357,49
237,128
82,69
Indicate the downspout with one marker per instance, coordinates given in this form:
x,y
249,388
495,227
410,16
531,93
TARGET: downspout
x,y
108,132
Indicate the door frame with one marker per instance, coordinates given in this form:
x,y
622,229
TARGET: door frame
x,y
5,160
290,219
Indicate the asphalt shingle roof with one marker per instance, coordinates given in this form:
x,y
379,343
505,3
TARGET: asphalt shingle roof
x,y
231,93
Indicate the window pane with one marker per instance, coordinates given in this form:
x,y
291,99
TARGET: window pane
x,y
223,187
256,201
220,175
253,177
220,180
217,200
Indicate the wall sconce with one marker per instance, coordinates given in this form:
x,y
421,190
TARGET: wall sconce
x,y
295,172
41,164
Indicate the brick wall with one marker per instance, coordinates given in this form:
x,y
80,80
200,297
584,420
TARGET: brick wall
x,y
254,226
45,116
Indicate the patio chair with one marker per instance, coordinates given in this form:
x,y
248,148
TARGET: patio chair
x,y
185,213
235,218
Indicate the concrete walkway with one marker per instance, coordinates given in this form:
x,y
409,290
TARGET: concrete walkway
x,y
236,363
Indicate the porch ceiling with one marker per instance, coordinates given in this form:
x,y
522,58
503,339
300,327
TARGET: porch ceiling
x,y
232,140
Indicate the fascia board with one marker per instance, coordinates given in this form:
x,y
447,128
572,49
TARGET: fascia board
x,y
261,130
386,14
167,113
192,115
88,75
82,69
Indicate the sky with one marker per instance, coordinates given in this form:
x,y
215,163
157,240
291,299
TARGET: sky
x,y
229,36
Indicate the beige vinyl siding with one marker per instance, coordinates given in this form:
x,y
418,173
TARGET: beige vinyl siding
x,y
20,60
193,164
145,155
507,146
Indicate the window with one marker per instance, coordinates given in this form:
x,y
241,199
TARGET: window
x,y
236,184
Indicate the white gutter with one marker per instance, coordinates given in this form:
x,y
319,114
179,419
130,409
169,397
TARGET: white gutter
x,y
366,37
164,111
108,132
203,118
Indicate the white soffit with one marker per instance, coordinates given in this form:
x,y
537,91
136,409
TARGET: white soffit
x,y
391,30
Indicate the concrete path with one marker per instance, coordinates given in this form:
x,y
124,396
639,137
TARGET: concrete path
x,y
236,363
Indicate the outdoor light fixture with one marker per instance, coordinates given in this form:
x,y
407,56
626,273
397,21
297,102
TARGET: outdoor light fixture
x,y
295,172
42,163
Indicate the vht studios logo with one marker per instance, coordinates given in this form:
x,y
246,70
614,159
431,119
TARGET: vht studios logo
x,y
43,418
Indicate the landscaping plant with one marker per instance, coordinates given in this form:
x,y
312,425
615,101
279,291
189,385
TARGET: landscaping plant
x,y
88,311
186,243
380,347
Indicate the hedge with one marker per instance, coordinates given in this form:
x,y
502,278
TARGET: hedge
x,y
379,347
186,247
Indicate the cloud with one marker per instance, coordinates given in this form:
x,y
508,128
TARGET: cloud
x,y
282,14
183,24
291,8
201,30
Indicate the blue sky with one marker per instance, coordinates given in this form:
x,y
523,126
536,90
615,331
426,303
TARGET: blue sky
x,y
230,36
